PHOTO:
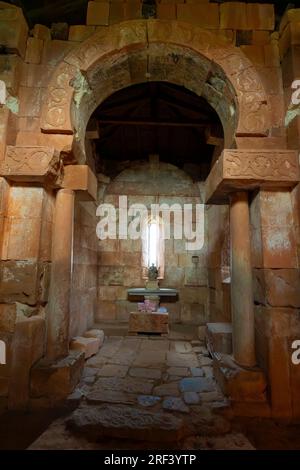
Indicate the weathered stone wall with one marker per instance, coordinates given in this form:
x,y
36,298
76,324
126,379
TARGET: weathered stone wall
x,y
120,263
276,295
26,221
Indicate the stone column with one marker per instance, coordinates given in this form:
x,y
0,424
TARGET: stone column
x,y
60,283
241,281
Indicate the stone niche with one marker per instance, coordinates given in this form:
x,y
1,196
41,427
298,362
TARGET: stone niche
x,y
120,261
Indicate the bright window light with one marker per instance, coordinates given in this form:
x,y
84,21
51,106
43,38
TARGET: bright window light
x,y
153,233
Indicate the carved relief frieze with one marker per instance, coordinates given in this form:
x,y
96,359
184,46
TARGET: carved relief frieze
x,y
268,164
251,169
42,164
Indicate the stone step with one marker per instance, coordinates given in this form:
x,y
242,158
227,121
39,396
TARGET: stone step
x,y
125,422
176,331
113,329
88,345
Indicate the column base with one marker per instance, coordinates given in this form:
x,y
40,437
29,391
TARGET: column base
x,y
54,381
245,388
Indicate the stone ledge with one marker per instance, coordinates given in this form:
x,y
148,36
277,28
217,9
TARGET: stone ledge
x,y
58,379
246,170
122,421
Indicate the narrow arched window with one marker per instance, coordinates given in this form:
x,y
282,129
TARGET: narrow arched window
x,y
153,244
153,247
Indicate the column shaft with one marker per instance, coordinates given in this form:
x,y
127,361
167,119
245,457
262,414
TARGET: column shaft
x,y
60,283
241,281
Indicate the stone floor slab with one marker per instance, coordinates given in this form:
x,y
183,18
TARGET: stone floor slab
x,y
170,389
197,384
110,346
153,359
124,358
197,371
175,359
175,404
148,400
127,384
191,398
97,396
112,370
181,347
96,361
179,371
142,372
155,345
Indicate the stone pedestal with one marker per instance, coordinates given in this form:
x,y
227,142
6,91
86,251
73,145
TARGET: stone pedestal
x,y
241,281
152,284
60,284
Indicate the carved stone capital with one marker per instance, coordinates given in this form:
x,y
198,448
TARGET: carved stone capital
x,y
237,170
32,164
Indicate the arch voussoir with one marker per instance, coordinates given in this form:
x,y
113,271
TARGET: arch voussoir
x,y
101,65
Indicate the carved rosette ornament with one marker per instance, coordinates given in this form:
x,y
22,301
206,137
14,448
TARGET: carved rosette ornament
x,y
32,164
57,108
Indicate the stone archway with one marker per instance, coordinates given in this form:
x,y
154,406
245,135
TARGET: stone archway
x,y
132,52
138,51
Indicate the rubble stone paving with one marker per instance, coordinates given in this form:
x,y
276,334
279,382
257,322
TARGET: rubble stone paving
x,y
144,382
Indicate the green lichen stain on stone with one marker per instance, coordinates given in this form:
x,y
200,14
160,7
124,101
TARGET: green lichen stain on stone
x,y
12,103
291,114
81,87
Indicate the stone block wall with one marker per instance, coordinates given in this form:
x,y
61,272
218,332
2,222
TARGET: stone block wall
x,y
276,280
26,228
120,263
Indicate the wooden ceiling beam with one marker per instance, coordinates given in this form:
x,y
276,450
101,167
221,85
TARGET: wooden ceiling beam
x,y
152,123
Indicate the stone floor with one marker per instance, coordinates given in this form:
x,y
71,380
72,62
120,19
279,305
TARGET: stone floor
x,y
169,375
146,392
